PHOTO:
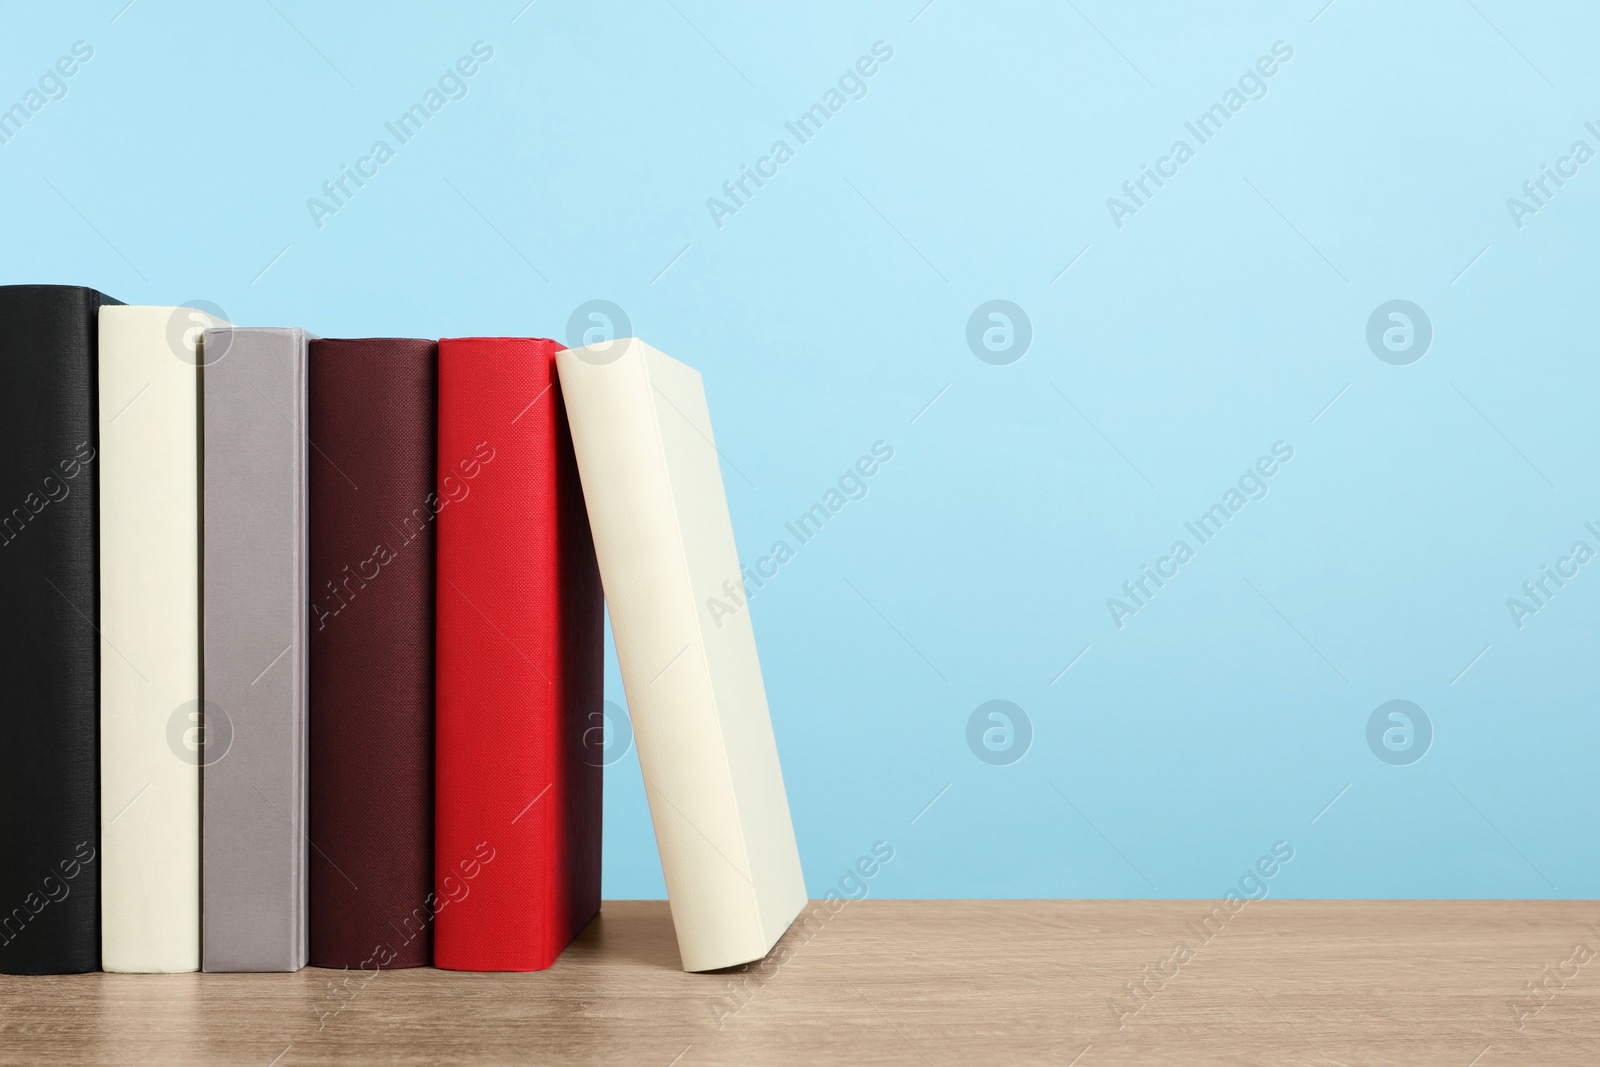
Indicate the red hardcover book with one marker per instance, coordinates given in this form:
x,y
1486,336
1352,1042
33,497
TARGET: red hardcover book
x,y
520,648
371,422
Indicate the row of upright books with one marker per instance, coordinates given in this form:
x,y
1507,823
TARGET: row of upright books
x,y
303,648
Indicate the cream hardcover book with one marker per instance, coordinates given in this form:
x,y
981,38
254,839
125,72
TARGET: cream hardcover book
x,y
653,490
150,638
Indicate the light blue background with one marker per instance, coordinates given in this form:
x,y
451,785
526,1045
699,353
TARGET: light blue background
x,y
832,307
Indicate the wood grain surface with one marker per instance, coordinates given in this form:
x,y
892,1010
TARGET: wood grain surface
x,y
905,982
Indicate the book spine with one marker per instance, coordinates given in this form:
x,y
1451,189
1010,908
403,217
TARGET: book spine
x,y
520,656
254,613
373,418
49,650
150,639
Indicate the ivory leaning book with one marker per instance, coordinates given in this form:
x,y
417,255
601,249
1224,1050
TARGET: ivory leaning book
x,y
653,488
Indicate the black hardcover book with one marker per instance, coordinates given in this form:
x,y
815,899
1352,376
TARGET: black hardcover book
x,y
49,643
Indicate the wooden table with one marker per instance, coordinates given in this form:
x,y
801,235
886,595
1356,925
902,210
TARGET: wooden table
x,y
936,982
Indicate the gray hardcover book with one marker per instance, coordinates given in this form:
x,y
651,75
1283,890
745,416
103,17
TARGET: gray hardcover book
x,y
254,624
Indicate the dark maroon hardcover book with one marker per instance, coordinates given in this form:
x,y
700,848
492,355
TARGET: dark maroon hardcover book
x,y
373,429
